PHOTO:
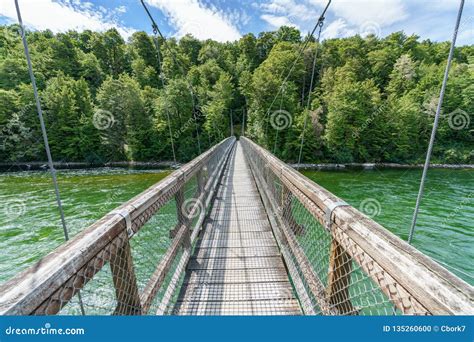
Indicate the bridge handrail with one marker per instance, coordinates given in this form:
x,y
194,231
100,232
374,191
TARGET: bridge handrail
x,y
412,281
50,284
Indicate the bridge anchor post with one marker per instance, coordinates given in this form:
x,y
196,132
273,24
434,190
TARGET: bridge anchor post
x,y
125,282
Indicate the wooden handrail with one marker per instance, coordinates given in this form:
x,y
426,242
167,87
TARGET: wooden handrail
x,y
28,290
423,286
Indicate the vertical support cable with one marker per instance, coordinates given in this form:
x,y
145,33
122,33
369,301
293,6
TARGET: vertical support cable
x,y
308,102
44,133
278,131
161,76
435,124
179,65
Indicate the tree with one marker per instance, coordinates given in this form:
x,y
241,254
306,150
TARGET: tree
x,y
120,116
176,104
68,109
109,48
352,110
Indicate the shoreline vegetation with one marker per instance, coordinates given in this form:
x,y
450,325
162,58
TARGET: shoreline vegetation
x,y
105,98
168,165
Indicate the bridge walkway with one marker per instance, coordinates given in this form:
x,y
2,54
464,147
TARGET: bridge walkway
x,y
237,268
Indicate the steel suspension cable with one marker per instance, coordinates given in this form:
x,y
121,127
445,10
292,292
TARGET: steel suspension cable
x,y
156,29
44,133
278,131
435,123
161,76
300,52
308,102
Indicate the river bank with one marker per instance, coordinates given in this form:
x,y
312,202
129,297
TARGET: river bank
x,y
35,166
38,166
372,166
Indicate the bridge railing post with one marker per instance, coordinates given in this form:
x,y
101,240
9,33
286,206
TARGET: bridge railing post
x,y
125,282
339,279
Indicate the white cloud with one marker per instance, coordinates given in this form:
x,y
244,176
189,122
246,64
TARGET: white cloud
x,y
382,12
296,11
121,9
60,17
191,16
277,21
337,29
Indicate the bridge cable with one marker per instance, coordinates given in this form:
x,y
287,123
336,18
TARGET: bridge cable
x,y
435,124
300,52
278,131
161,76
156,30
44,133
308,102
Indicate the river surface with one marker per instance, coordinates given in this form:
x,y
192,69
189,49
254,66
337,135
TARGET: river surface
x,y
445,226
30,226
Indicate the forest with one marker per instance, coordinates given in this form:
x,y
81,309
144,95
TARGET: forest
x,y
108,99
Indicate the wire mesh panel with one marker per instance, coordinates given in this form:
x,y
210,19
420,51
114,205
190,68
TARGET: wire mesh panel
x,y
343,263
129,262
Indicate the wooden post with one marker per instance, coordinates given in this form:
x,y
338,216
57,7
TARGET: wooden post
x,y
339,279
125,282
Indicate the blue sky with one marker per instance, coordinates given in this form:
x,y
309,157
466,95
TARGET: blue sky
x,y
227,20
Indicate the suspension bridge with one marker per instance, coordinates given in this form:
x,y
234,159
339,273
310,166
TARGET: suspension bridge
x,y
236,231
245,235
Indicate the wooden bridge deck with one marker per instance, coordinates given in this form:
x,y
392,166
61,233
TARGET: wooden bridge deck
x,y
237,268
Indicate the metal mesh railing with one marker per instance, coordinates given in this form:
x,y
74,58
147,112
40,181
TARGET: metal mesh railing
x,y
127,262
343,263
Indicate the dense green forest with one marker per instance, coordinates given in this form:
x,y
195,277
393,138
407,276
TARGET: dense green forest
x,y
107,99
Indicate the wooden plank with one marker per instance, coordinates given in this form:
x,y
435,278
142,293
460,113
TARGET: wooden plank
x,y
244,215
272,307
125,282
237,226
243,276
222,235
215,292
235,263
238,252
217,243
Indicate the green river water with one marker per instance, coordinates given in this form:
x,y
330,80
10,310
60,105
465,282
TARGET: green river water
x,y
30,226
